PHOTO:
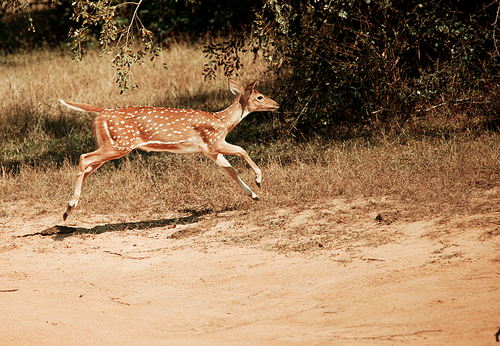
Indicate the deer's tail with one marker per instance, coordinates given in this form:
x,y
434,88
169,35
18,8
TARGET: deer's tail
x,y
82,107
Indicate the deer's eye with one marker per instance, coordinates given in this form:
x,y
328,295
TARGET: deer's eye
x,y
260,97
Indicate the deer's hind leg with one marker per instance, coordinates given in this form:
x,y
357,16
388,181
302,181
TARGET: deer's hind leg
x,y
89,163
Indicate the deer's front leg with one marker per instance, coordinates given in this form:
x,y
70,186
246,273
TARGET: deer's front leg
x,y
229,170
229,149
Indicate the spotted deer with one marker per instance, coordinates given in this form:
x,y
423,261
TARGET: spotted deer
x,y
118,131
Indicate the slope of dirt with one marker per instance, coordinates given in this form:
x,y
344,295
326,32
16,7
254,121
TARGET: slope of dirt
x,y
215,280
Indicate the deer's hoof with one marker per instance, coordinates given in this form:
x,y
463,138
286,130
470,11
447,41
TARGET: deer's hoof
x,y
68,211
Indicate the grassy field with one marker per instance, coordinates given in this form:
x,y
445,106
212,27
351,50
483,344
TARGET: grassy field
x,y
41,142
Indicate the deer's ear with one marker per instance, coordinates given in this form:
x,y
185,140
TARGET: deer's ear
x,y
251,86
235,87
249,89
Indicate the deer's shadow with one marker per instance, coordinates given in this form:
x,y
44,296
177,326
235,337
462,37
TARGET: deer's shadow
x,y
59,232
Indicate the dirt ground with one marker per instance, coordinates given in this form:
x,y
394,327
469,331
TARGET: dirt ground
x,y
195,280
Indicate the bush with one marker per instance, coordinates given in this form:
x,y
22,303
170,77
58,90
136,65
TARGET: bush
x,y
372,63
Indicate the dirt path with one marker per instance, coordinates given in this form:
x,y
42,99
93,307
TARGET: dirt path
x,y
432,283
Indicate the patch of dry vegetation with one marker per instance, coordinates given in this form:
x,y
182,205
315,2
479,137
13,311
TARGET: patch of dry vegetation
x,y
41,143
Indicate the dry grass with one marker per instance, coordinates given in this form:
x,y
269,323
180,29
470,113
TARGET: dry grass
x,y
419,178
426,178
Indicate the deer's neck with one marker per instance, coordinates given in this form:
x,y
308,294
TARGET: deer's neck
x,y
234,114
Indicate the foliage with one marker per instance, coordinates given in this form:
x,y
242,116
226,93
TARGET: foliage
x,y
14,7
120,41
225,55
118,31
129,32
377,61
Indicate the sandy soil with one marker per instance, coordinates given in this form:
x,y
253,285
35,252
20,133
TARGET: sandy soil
x,y
183,280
